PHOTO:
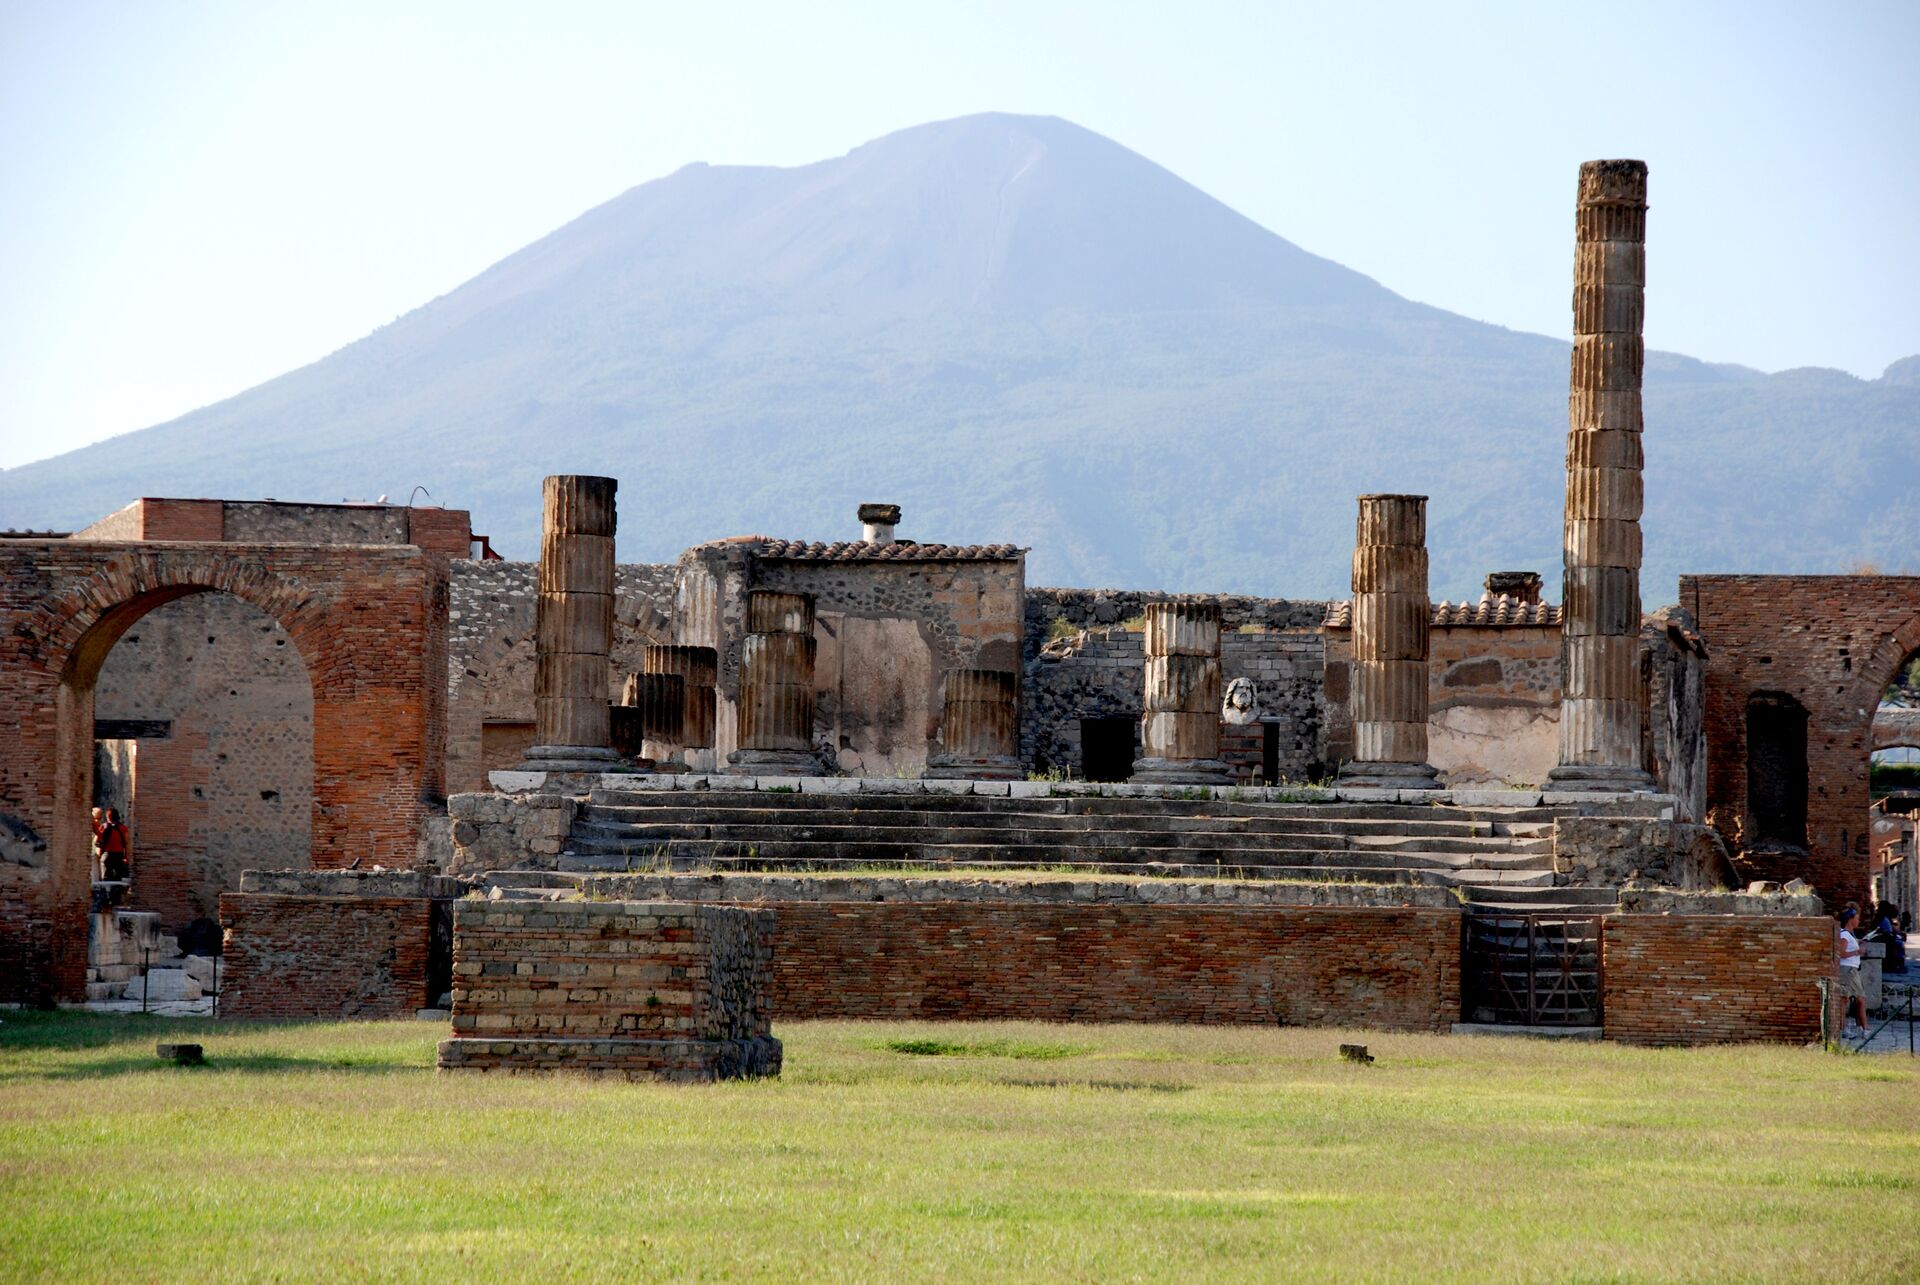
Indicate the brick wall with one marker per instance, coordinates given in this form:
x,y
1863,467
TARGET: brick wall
x,y
1391,969
1711,979
182,520
299,956
1831,643
370,626
643,989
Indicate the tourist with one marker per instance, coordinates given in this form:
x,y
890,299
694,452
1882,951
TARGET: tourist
x,y
115,858
99,824
1886,929
1848,948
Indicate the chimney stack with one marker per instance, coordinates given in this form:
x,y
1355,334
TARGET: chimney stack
x,y
1521,586
877,522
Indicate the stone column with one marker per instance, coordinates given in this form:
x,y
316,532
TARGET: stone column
x,y
979,727
776,686
1180,731
1602,708
573,628
699,669
659,705
1392,621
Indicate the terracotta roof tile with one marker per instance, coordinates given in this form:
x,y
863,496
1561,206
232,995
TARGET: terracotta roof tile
x,y
861,551
1490,612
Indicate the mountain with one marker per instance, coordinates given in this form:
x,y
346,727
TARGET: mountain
x,y
1018,330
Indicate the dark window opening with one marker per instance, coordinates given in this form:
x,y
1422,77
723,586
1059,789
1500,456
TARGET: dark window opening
x,y
1107,748
1777,770
1270,752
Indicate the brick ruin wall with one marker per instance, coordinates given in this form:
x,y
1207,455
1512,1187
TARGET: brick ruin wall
x,y
1278,643
1827,647
324,956
222,770
654,990
1683,969
369,625
1700,979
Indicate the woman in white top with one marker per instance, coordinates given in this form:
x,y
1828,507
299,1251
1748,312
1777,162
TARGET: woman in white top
x,y
1847,947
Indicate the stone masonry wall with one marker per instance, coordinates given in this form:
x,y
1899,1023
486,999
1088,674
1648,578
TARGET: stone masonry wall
x,y
490,654
1698,979
1100,674
656,990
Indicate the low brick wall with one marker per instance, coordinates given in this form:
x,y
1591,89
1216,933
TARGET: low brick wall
x,y
1713,979
637,990
1296,966
292,956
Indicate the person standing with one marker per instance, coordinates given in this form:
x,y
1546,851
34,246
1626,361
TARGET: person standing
x,y
99,824
116,855
1847,947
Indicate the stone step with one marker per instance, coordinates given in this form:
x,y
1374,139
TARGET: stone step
x,y
593,831
1540,899
1078,805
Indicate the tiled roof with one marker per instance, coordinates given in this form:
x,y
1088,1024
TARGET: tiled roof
x,y
861,551
1491,611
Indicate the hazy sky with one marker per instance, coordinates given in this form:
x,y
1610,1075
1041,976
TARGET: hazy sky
x,y
195,197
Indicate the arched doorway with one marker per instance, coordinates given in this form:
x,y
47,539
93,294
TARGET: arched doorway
x,y
203,722
370,626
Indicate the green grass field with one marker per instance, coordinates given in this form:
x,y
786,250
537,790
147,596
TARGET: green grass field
x,y
329,1152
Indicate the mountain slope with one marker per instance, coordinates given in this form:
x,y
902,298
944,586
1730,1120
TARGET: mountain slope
x,y
1021,331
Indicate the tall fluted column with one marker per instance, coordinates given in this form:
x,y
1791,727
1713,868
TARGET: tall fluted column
x,y
1392,623
979,726
776,686
573,628
698,668
1602,707
1180,732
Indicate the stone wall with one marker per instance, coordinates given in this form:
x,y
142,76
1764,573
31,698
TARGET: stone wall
x,y
230,782
1493,706
1686,979
1828,646
890,622
1611,851
490,656
638,990
502,831
1100,673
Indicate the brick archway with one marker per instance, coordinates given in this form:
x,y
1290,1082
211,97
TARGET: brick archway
x,y
1833,643
370,625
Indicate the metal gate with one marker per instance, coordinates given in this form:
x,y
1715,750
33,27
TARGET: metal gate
x,y
1532,970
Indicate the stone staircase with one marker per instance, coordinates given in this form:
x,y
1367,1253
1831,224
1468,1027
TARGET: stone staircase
x,y
1498,858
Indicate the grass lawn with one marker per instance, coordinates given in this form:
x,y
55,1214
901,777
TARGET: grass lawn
x,y
894,1151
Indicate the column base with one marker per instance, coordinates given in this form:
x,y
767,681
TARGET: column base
x,y
1389,776
1158,771
953,767
1569,777
572,758
776,762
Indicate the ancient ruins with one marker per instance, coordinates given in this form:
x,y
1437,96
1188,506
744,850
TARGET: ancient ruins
x,y
623,817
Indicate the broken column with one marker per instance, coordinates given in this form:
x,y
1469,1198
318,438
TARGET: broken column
x,y
1180,731
775,714
659,712
979,726
573,628
698,668
1392,621
1601,711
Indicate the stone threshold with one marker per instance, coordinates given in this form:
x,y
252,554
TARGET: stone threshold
x,y
1574,1033
1660,805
